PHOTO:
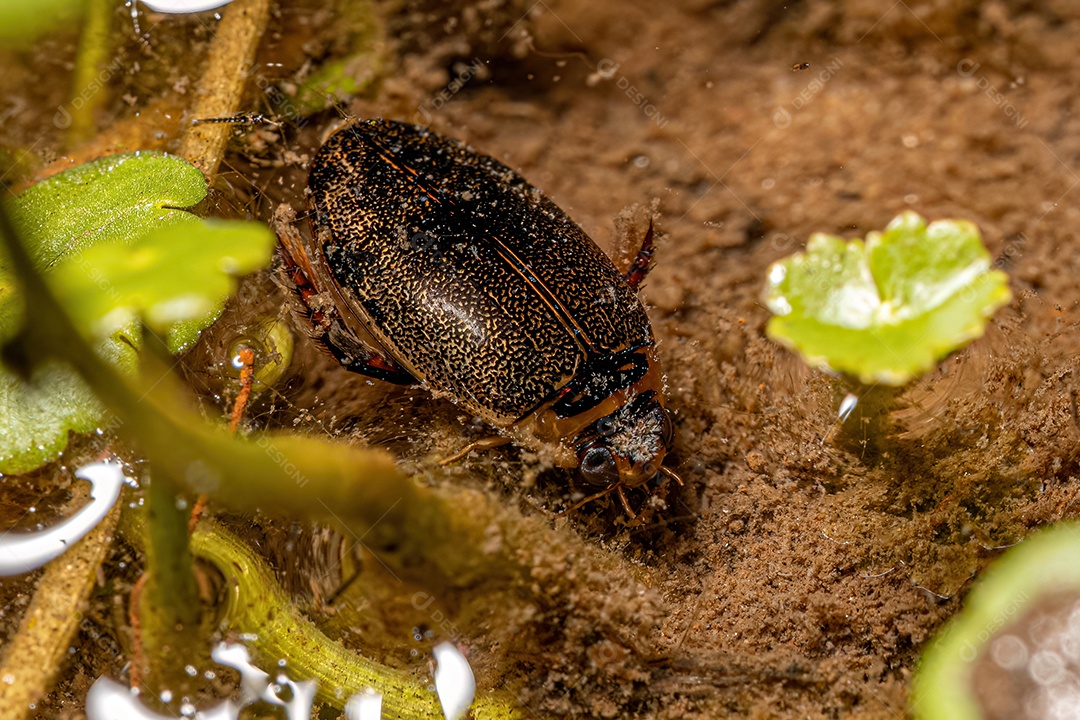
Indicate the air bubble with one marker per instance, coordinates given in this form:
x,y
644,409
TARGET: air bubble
x,y
1009,652
1046,668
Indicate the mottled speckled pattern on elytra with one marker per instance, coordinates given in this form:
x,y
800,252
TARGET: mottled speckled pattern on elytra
x,y
467,274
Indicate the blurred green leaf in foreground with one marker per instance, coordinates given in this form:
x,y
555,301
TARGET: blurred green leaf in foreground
x,y
118,248
22,22
1012,651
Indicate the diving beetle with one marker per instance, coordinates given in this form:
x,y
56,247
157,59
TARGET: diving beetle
x,y
429,263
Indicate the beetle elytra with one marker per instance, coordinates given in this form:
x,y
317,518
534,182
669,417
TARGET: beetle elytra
x,y
431,263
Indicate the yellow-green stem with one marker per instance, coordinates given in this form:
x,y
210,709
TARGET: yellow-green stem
x,y
258,608
91,76
169,607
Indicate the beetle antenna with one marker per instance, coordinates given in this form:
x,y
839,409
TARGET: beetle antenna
x,y
614,487
239,119
671,474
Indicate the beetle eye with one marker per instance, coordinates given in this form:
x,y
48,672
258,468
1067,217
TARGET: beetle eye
x,y
597,465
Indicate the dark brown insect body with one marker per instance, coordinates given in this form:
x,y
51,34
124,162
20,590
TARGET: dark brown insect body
x,y
432,263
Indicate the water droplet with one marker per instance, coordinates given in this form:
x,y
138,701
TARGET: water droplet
x,y
847,405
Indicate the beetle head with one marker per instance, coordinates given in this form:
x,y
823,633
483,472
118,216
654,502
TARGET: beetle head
x,y
628,446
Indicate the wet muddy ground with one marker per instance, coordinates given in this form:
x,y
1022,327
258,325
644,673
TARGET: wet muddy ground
x,y
802,567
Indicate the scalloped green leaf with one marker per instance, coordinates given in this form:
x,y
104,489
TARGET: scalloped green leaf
x,y
888,309
113,199
172,275
99,230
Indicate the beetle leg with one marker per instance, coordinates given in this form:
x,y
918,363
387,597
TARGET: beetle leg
x,y
324,321
341,588
486,443
642,263
359,358
623,500
583,501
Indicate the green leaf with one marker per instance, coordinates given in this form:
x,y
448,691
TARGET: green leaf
x,y
116,246
38,415
113,199
1017,596
174,274
337,81
885,311
22,22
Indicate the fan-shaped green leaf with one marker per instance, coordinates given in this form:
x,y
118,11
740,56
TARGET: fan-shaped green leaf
x,y
888,309
173,274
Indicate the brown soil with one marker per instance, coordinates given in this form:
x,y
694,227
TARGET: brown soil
x,y
802,567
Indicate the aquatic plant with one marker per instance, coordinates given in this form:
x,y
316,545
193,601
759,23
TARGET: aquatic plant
x,y
887,309
1014,650
117,252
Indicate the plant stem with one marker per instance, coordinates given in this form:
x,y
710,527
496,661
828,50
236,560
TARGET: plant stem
x,y
867,430
169,608
258,608
222,85
89,84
